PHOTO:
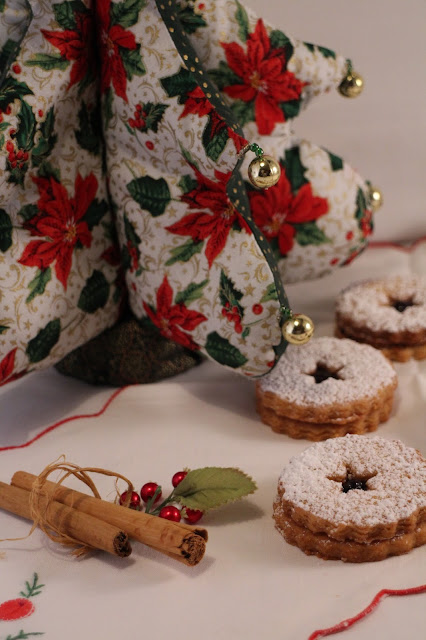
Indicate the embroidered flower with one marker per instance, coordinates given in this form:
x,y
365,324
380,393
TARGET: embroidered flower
x,y
276,210
214,224
60,223
264,78
174,320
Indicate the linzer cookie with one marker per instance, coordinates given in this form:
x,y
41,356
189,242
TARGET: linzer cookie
x,y
326,389
355,499
388,314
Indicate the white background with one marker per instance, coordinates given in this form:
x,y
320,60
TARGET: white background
x,y
383,132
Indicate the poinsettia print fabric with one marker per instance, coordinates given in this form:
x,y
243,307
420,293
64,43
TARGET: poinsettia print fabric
x,y
193,265
318,216
58,284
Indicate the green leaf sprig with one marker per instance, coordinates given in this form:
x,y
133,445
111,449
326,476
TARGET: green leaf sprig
x,y
207,488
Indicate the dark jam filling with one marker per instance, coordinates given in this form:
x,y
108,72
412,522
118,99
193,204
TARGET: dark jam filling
x,y
402,305
321,373
354,483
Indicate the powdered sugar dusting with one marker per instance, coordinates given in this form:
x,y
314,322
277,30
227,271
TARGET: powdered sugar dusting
x,y
368,304
362,372
397,490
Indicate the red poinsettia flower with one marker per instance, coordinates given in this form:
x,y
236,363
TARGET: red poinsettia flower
x,y
196,102
366,223
75,46
276,210
264,78
60,223
215,226
174,320
6,369
112,38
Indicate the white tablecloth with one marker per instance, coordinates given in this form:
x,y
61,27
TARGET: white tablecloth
x,y
251,584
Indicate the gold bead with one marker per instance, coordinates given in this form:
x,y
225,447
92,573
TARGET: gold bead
x,y
264,172
352,85
376,199
298,329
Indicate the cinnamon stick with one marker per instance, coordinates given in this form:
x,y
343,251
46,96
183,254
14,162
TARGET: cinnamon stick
x,y
78,525
177,540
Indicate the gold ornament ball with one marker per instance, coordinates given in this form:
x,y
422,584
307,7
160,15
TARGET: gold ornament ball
x,y
298,329
352,85
376,199
264,172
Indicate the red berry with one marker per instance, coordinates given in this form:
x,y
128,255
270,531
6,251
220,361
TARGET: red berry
x,y
12,132
270,363
235,310
8,110
40,113
349,235
9,146
25,156
334,261
132,123
135,501
16,68
224,312
20,154
138,107
192,515
21,165
178,477
257,309
170,513
16,609
142,124
201,6
1,118
238,327
149,145
227,304
13,164
148,491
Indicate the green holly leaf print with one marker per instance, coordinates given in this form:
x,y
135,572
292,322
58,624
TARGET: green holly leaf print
x,y
211,487
5,231
47,170
132,61
39,347
228,293
361,204
95,213
290,108
223,76
26,128
89,134
294,169
94,294
215,145
191,293
179,84
327,53
244,111
154,115
2,5
335,162
126,13
309,46
310,233
221,350
47,140
187,183
28,211
184,252
279,40
130,232
65,13
150,194
47,61
3,328
6,53
38,284
243,22
190,20
270,293
11,90
107,107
